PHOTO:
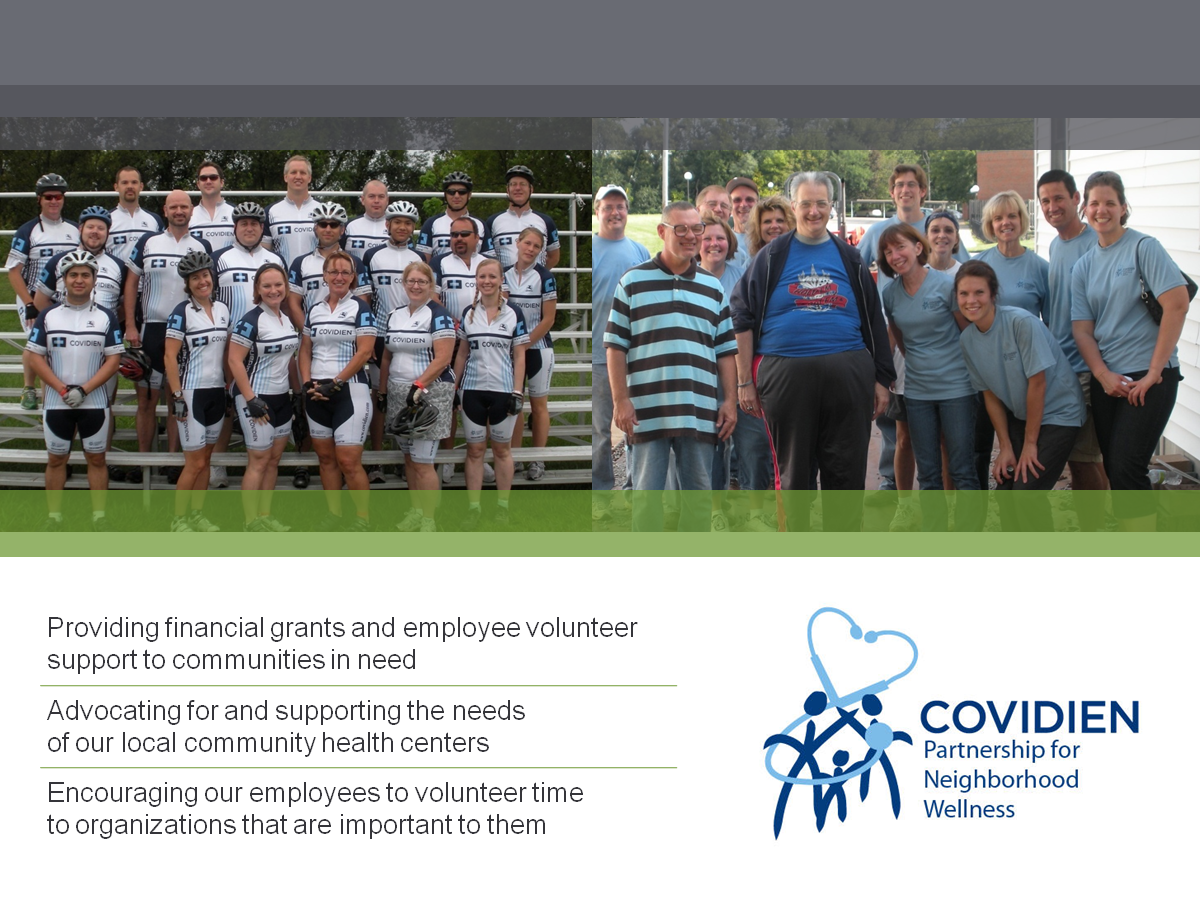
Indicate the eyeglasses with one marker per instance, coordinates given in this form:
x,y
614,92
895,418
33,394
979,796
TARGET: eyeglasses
x,y
208,178
806,205
416,282
340,272
682,230
328,224
457,192
462,234
53,197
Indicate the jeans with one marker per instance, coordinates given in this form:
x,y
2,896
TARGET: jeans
x,y
887,453
693,462
755,469
929,421
602,415
1128,437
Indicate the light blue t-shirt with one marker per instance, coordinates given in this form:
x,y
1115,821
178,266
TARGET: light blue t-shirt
x,y
1024,280
742,257
1105,290
1057,311
934,367
610,260
812,311
869,246
1017,347
730,277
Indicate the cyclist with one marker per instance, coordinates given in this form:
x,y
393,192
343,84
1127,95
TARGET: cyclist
x,y
434,239
504,228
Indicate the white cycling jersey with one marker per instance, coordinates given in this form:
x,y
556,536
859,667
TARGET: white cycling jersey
x,y
410,336
528,290
385,266
217,228
76,340
289,230
334,334
505,227
236,267
128,228
204,341
110,281
155,257
363,233
490,348
272,341
306,278
456,282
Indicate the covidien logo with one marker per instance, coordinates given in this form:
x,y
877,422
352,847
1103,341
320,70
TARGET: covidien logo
x,y
828,773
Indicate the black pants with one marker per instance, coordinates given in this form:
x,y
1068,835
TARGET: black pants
x,y
1031,511
818,415
1128,436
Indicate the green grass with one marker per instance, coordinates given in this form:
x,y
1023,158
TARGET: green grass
x,y
642,228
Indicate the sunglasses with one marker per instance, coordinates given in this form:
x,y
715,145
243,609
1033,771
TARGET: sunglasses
x,y
457,192
52,197
208,178
328,224
462,234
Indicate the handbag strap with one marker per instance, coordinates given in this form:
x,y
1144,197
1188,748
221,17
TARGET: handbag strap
x,y
1137,265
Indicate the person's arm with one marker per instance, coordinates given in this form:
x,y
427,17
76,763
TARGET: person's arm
x,y
365,350
130,298
18,285
747,393
1115,385
171,364
294,309
1035,404
518,358
104,374
385,368
460,361
552,257
1175,308
40,367
549,311
624,414
727,412
237,368
304,360
443,348
896,337
1006,460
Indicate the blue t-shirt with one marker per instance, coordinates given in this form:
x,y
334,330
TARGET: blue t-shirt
x,y
1057,311
812,311
1024,280
1017,347
610,260
730,277
934,367
1105,290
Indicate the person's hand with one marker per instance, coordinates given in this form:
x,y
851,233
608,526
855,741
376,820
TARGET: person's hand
x,y
132,339
1029,466
1005,465
1138,389
748,400
180,407
73,395
258,410
882,398
1115,385
625,416
726,419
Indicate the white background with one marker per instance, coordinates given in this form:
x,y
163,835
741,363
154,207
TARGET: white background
x,y
731,635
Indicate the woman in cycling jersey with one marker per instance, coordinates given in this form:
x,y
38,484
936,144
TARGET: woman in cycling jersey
x,y
338,341
489,369
414,371
262,347
195,370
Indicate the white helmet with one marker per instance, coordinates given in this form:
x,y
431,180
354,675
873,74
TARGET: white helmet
x,y
402,209
327,211
73,258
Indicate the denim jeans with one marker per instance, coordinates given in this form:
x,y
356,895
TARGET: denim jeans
x,y
756,472
602,415
693,462
929,421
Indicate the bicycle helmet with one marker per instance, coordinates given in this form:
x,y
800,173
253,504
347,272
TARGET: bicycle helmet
x,y
96,212
402,209
519,171
50,182
73,258
416,421
249,210
194,261
135,364
327,211
458,178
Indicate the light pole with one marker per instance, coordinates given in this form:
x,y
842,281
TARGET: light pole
x,y
687,177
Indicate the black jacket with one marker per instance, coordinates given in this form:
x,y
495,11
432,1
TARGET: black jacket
x,y
749,301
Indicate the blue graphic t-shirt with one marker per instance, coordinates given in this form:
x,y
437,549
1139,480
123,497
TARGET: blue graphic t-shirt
x,y
812,310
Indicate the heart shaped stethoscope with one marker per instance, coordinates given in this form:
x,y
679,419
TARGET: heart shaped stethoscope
x,y
878,735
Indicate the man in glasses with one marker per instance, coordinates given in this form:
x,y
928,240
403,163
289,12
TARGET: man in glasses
x,y
129,221
35,242
743,194
504,228
664,369
370,229
212,219
306,283
290,221
434,238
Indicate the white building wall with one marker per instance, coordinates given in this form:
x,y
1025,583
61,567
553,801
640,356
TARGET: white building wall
x,y
1162,184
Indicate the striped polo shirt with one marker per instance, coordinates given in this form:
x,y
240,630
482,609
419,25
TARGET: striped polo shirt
x,y
672,329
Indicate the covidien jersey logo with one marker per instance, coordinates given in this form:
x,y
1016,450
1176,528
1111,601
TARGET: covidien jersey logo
x,y
814,766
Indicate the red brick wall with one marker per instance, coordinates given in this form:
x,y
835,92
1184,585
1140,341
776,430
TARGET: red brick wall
x,y
1005,170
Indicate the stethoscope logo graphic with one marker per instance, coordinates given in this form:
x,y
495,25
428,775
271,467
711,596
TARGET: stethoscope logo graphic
x,y
878,736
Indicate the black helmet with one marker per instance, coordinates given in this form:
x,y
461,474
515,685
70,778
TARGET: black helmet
x,y
457,178
521,171
135,364
194,261
416,421
249,210
50,182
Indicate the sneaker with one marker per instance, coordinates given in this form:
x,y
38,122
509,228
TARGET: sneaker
x,y
133,475
173,473
489,474
330,522
447,473
470,522
101,524
29,398
375,475
601,513
757,523
199,523
300,479
52,524
719,523
411,521
518,468
116,473
502,516
273,524
358,523
180,523
535,471
258,525
881,497
218,477
428,526
905,518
